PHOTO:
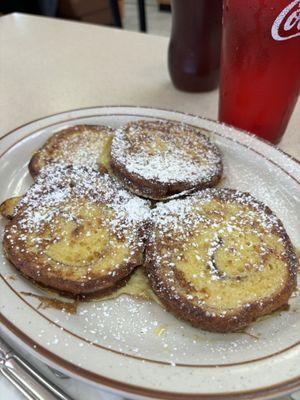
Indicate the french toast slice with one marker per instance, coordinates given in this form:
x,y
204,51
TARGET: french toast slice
x,y
76,231
86,145
220,259
158,159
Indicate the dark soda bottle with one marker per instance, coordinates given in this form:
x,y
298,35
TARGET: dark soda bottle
x,y
260,67
194,49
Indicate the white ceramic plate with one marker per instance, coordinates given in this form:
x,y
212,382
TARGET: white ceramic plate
x,y
115,343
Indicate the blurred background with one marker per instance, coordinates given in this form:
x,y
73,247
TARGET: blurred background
x,y
151,16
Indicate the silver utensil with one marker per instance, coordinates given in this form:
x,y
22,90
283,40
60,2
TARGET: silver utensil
x,y
35,386
27,379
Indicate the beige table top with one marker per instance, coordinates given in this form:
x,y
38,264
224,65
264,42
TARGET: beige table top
x,y
49,65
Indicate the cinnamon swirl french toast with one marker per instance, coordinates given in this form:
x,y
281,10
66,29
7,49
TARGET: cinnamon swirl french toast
x,y
158,159
86,145
220,259
76,231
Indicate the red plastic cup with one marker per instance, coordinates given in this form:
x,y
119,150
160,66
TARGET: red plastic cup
x,y
260,65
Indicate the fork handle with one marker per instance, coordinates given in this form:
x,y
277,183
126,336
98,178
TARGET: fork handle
x,y
30,382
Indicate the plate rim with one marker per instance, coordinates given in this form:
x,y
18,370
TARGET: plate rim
x,y
41,352
90,376
153,108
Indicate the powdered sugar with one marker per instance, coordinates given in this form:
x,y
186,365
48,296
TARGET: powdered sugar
x,y
166,152
79,145
176,221
60,192
181,210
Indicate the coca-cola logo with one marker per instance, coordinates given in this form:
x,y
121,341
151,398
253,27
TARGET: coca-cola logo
x,y
287,24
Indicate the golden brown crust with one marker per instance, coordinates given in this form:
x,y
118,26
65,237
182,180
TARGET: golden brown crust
x,y
28,267
170,292
70,211
77,145
151,172
154,191
198,317
8,206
